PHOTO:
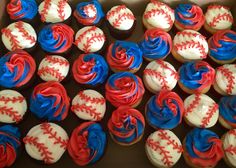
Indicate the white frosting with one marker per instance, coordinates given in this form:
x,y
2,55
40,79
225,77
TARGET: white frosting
x,y
226,78
160,77
46,139
90,10
22,41
159,15
89,105
53,68
201,110
161,142
52,15
120,17
229,143
12,106
190,45
90,39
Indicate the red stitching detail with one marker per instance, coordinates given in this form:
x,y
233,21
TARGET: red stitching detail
x,y
115,11
155,145
163,65
231,149
209,114
13,39
11,113
53,72
88,109
189,34
55,60
95,37
90,99
6,100
232,132
25,34
80,38
154,12
217,7
43,150
60,10
47,129
122,17
217,19
47,4
229,76
159,4
193,105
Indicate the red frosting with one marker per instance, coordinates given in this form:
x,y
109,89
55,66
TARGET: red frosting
x,y
14,7
7,155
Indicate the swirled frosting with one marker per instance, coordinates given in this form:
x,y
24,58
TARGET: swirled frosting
x,y
124,56
56,38
189,16
126,125
203,147
50,101
90,69
89,13
87,143
9,145
156,44
22,9
124,88
165,110
16,69
222,45
196,75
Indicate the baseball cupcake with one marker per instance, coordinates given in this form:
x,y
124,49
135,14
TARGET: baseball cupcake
x,y
158,15
189,16
196,77
124,89
218,17
163,148
87,143
159,75
201,111
222,47
90,69
89,105
126,125
189,45
156,44
124,56
202,148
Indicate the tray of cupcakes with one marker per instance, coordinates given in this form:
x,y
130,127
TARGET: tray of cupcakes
x,y
117,83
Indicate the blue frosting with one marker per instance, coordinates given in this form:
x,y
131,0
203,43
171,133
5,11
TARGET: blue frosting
x,y
227,108
184,10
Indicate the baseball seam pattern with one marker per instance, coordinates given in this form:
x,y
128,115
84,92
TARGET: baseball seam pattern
x,y
163,65
51,71
193,105
94,37
47,4
4,110
231,149
56,60
90,99
220,17
209,114
88,109
230,78
232,132
217,7
60,10
121,17
12,38
115,11
189,34
25,34
6,100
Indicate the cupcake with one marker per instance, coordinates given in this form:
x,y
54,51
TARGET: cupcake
x,y
189,16
124,56
124,89
202,148
46,142
53,68
121,21
126,125
56,38
89,105
164,110
225,80
50,101
189,45
200,111
90,39
196,77
13,106
227,111
87,143
19,35
163,148
16,69
222,47
10,145
90,69
89,13
156,44
158,15
218,17
54,11
159,75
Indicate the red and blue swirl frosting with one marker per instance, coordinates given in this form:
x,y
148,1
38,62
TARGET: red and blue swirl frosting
x,y
222,45
90,69
56,38
89,13
124,55
16,69
203,147
196,75
50,101
157,44
22,9
9,145
165,110
87,143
